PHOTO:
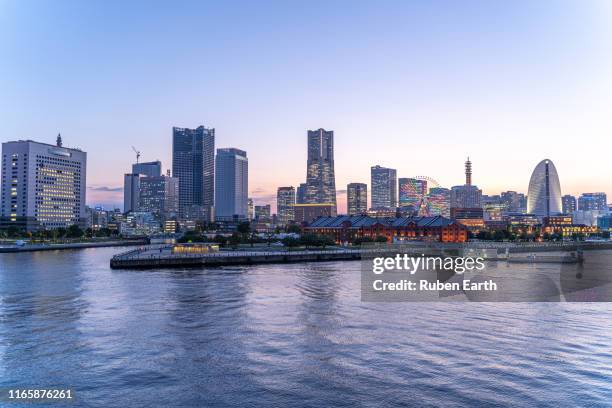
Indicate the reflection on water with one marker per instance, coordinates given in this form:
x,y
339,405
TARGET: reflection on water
x,y
284,335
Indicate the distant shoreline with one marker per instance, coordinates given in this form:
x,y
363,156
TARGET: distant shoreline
x,y
71,245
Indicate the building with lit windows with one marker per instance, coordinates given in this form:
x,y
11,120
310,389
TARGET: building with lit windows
x,y
147,169
285,203
568,204
544,195
357,198
251,209
384,187
43,185
564,225
473,218
231,184
467,195
513,201
193,163
97,218
604,223
593,202
263,213
306,213
347,228
320,176
159,196
300,194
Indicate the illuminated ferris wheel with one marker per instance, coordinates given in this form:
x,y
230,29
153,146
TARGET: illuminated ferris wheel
x,y
430,204
430,181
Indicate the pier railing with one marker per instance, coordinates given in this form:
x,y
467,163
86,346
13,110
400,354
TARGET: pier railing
x,y
163,251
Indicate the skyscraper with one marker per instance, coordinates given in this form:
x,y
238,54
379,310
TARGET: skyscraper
x,y
357,198
384,187
300,195
513,201
147,169
568,204
193,163
231,183
43,185
131,192
320,178
593,201
263,213
544,195
159,195
285,204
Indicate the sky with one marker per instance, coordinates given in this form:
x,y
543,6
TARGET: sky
x,y
413,85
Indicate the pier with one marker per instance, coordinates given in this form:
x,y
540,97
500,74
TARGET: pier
x,y
152,257
162,255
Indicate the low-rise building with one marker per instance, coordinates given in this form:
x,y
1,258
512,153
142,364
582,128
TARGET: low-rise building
x,y
345,228
306,213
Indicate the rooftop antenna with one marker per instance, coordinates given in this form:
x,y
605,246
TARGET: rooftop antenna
x,y
137,154
58,141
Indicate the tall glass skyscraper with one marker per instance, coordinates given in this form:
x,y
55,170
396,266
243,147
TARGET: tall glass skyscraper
x,y
231,184
285,204
384,187
544,195
131,192
193,163
320,177
159,195
300,194
357,198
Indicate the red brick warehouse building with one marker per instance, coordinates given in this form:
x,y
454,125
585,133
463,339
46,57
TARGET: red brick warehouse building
x,y
345,228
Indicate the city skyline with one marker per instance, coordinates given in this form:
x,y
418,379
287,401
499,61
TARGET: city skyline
x,y
390,95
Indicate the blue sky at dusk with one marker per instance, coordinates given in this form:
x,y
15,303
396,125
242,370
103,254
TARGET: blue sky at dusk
x,y
414,85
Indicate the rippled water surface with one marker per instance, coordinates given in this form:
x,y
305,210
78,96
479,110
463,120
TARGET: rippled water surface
x,y
284,335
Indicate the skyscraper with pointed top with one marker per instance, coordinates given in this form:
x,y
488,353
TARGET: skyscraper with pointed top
x,y
320,177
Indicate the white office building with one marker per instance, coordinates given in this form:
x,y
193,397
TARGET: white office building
x,y
231,184
43,185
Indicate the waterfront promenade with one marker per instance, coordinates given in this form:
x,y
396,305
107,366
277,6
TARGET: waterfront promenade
x,y
70,245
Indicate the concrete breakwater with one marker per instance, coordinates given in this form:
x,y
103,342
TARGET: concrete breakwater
x,y
156,258
70,245
162,256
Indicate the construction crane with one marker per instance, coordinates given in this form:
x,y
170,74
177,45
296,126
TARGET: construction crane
x,y
137,154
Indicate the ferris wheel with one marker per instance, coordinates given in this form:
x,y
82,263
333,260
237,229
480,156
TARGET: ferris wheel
x,y
428,205
430,181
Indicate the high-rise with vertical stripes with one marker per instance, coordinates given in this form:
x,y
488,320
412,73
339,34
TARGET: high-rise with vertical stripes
x,y
193,163
320,177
